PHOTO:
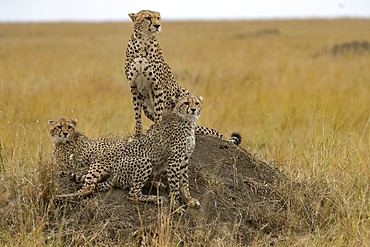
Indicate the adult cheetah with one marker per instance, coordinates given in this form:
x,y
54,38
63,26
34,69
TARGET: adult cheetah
x,y
166,146
153,86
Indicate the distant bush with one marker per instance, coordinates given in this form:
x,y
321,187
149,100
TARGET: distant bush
x,y
357,47
259,33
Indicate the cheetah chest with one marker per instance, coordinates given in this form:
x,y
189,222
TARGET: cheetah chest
x,y
144,87
190,141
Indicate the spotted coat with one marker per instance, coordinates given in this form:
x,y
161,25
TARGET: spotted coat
x,y
72,149
166,147
153,86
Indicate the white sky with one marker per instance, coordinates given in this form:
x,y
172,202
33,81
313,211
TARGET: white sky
x,y
117,10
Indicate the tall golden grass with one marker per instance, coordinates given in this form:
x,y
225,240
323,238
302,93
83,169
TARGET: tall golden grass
x,y
309,113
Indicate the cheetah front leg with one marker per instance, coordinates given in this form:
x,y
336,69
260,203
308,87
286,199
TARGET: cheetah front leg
x,y
143,71
137,102
173,175
135,74
148,114
158,100
156,95
184,185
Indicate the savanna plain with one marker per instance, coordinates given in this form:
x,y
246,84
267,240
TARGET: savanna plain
x,y
298,91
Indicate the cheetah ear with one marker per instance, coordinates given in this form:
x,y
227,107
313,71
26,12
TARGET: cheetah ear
x,y
74,121
132,16
200,98
51,122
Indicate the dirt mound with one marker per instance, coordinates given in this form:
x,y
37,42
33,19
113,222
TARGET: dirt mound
x,y
233,187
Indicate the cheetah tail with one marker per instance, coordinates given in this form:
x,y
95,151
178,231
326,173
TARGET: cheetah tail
x,y
235,138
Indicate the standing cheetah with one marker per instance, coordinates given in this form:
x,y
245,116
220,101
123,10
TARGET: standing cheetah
x,y
166,146
153,86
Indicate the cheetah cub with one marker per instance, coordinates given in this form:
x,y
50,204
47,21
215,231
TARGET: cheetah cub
x,y
72,149
167,147
153,86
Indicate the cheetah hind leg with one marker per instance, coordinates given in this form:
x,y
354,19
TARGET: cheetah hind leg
x,y
140,177
77,178
95,174
111,182
106,185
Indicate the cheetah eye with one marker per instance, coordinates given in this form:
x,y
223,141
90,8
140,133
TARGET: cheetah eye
x,y
197,103
186,103
158,18
59,127
69,127
148,18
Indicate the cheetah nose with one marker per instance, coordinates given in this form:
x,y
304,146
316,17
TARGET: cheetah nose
x,y
157,26
193,110
65,134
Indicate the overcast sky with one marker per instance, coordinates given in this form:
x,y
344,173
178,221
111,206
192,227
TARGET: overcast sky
x,y
116,10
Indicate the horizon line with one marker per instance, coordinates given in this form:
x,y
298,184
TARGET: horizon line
x,y
187,19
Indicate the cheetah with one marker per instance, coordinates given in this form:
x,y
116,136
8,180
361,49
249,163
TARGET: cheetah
x,y
166,147
72,149
153,86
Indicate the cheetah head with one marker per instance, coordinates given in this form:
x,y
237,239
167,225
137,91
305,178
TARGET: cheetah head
x,y
188,107
146,22
62,130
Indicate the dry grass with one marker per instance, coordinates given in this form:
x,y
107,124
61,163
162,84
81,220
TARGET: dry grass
x,y
310,114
